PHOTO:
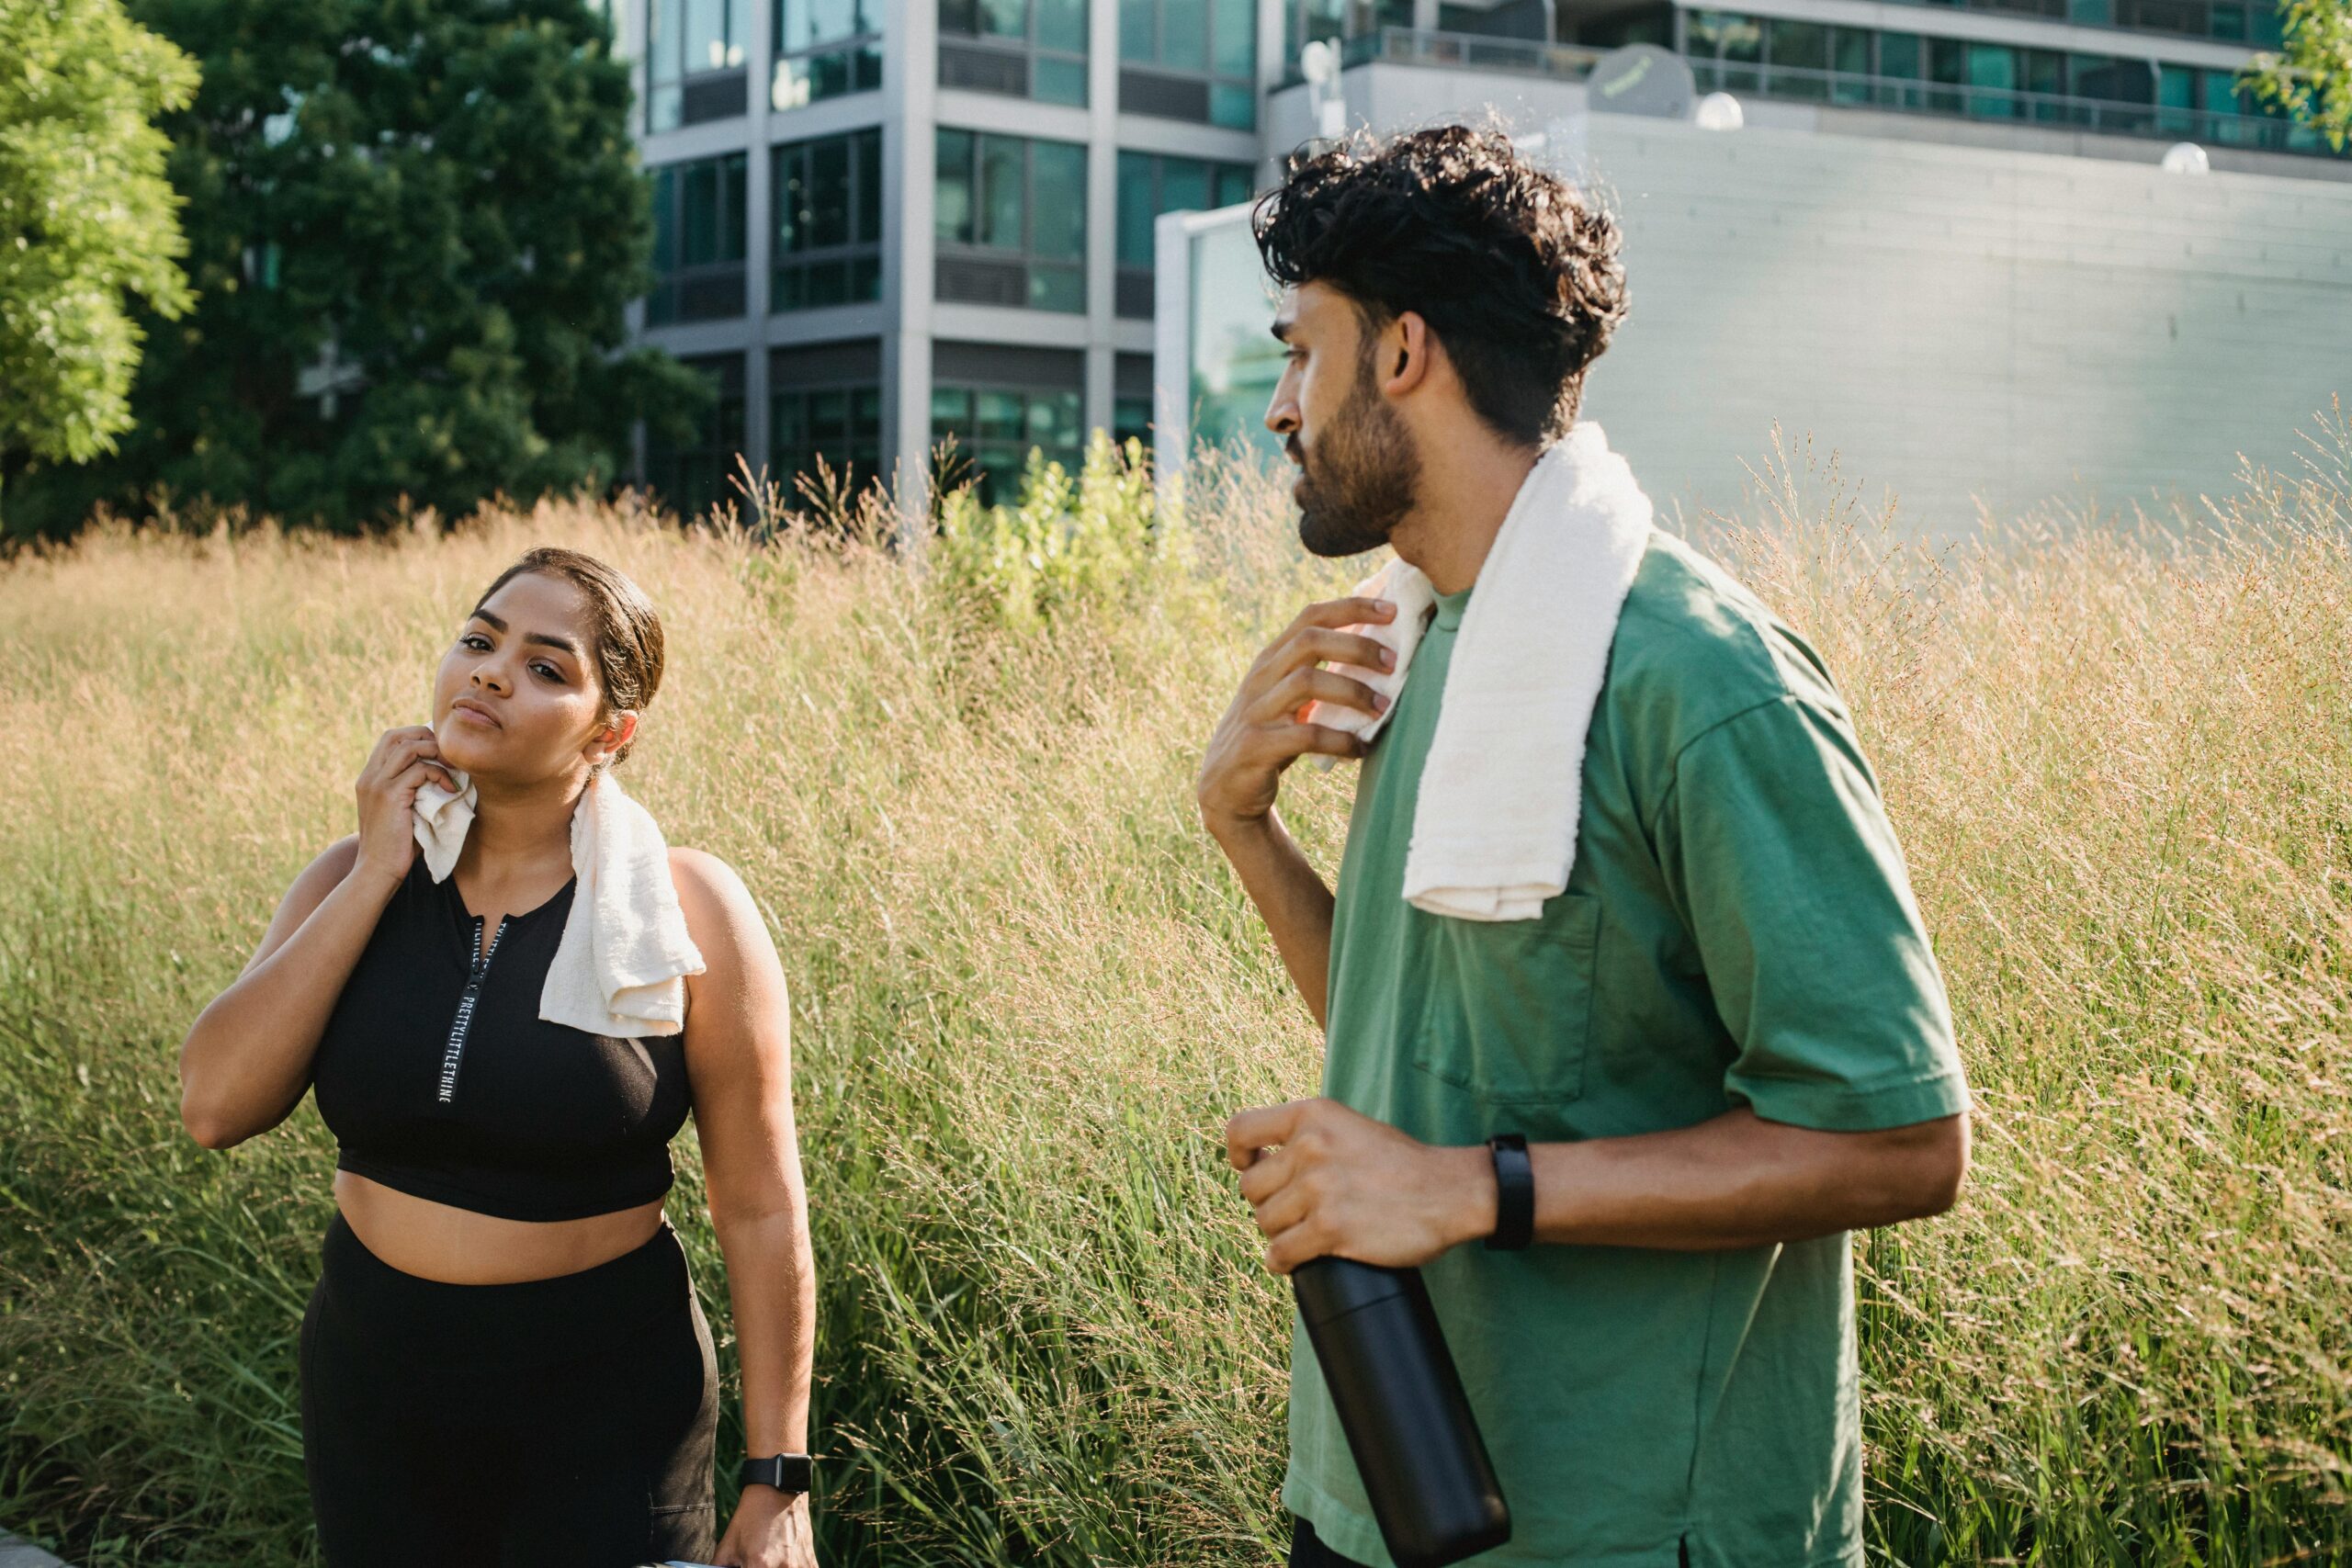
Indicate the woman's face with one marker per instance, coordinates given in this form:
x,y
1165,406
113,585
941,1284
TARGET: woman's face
x,y
516,697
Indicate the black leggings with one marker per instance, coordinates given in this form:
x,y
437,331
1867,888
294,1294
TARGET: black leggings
x,y
565,1421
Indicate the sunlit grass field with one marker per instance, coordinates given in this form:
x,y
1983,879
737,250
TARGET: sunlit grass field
x,y
1027,993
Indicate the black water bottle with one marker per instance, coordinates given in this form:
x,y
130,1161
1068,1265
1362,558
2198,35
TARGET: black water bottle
x,y
1408,1423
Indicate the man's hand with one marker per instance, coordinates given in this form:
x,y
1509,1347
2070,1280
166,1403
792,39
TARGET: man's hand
x,y
1262,733
1340,1184
769,1530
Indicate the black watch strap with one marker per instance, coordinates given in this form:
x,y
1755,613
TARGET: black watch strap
x,y
786,1473
1514,1193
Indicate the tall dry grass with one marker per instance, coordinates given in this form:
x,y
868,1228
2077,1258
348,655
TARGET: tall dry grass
x,y
1027,993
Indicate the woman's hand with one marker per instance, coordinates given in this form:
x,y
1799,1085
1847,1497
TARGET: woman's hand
x,y
769,1530
403,760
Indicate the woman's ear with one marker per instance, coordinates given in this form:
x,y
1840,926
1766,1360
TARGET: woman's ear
x,y
618,732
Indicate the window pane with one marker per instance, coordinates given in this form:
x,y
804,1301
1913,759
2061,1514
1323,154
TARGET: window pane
x,y
869,187
1237,36
1000,192
1139,30
1061,24
1183,185
789,195
1004,18
952,196
1137,209
1058,81
2045,71
1850,50
705,35
828,192
1732,36
951,409
1898,54
1057,285
1061,223
1804,44
1184,34
665,218
664,40
1232,183
734,234
1234,104
701,225
998,416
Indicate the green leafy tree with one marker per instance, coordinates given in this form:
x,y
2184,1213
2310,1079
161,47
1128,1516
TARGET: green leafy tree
x,y
414,226
2310,76
86,218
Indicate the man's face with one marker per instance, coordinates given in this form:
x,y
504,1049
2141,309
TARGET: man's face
x,y
1359,469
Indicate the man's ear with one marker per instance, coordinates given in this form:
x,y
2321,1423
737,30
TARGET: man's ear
x,y
1406,345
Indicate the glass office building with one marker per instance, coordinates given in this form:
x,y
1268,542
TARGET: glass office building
x,y
883,225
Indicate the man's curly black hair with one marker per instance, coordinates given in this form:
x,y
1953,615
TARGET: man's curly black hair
x,y
1514,271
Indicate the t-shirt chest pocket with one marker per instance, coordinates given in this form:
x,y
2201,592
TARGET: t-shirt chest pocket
x,y
1509,1008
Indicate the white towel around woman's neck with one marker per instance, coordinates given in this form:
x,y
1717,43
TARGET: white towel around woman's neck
x,y
1495,826
620,966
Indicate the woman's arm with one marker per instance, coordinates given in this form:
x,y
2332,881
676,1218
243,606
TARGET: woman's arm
x,y
738,1056
246,1060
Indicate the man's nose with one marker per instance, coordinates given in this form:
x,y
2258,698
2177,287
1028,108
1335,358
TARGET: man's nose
x,y
1281,416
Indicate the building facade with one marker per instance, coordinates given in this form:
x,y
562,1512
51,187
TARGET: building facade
x,y
882,225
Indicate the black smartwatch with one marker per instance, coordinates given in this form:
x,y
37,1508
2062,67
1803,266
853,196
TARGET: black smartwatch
x,y
788,1473
1514,1193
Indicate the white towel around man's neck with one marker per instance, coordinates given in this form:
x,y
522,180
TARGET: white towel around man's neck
x,y
1495,826
620,966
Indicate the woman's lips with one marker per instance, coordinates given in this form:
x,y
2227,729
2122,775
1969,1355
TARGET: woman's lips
x,y
464,711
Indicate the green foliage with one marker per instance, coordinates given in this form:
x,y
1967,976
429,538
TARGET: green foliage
x,y
87,218
2310,76
414,226
1097,539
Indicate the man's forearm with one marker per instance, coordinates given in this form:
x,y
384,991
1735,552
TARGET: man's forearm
x,y
1737,1180
1291,895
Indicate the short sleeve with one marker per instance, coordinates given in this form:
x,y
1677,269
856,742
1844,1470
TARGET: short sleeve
x,y
1777,848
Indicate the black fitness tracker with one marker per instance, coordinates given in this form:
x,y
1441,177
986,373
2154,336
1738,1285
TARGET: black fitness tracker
x,y
1514,1193
788,1473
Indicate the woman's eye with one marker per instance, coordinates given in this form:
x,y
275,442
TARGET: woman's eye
x,y
474,640
548,672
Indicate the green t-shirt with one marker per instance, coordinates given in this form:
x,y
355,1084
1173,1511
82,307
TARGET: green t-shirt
x,y
1738,930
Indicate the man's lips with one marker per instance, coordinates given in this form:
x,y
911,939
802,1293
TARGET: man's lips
x,y
478,712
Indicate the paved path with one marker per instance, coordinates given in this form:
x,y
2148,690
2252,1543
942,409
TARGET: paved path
x,y
15,1553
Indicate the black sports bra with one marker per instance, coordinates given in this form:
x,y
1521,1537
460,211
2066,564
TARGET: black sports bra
x,y
438,1077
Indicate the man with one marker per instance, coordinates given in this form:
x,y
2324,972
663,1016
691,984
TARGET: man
x,y
1725,1041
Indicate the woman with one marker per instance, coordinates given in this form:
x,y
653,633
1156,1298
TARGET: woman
x,y
503,1363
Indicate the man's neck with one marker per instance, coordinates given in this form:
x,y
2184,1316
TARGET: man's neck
x,y
1467,483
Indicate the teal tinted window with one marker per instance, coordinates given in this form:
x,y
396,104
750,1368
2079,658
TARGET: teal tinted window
x,y
954,212
827,201
1003,196
1234,37
1060,200
1184,34
1061,24
1802,44
1898,55
1138,205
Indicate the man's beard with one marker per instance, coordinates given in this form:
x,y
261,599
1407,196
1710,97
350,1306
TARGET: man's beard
x,y
1361,480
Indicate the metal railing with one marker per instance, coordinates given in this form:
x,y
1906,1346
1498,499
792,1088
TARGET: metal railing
x,y
2007,105
1470,51
2216,127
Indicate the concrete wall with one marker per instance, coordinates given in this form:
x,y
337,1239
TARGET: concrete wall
x,y
1961,323
1958,323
